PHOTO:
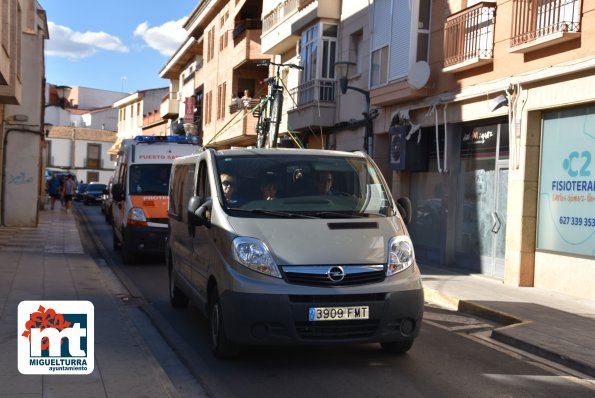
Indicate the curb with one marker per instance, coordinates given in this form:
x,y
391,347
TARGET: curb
x,y
441,299
497,334
84,230
508,321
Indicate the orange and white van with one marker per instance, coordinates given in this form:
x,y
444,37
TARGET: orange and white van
x,y
140,192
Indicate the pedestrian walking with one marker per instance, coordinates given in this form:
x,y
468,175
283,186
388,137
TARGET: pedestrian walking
x,y
69,187
53,190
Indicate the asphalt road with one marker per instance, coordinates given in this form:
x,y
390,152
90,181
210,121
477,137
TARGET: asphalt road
x,y
449,359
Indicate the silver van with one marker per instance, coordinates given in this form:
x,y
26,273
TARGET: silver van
x,y
292,247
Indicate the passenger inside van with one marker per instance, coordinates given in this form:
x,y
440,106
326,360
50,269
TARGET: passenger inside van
x,y
268,188
229,186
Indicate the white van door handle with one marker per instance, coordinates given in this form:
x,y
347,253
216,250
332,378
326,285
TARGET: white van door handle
x,y
496,223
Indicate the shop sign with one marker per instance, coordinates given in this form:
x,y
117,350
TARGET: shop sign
x,y
566,213
189,110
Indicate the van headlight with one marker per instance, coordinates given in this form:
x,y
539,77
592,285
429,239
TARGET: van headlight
x,y
136,215
254,254
400,254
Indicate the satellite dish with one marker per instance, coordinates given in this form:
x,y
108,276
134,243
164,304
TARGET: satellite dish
x,y
419,73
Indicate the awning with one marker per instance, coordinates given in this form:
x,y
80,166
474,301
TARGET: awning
x,y
115,148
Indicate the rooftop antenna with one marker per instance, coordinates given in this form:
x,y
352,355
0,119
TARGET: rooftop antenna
x,y
123,79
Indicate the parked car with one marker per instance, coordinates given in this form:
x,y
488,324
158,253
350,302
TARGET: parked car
x,y
106,202
79,191
94,193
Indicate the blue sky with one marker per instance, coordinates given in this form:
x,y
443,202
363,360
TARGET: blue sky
x,y
110,44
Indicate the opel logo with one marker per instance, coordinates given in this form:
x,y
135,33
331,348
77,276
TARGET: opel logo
x,y
335,273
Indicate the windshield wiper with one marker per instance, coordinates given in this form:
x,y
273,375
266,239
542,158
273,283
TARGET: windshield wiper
x,y
334,214
272,212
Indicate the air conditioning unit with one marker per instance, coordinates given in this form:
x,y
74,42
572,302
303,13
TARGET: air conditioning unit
x,y
407,155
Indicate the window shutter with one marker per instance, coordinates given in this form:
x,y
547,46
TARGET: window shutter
x,y
382,24
401,41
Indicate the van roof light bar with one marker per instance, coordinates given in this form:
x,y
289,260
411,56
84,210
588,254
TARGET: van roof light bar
x,y
178,139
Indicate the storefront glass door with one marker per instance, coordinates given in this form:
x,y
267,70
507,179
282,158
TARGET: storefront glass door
x,y
482,190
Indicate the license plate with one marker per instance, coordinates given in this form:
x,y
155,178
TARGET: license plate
x,y
338,313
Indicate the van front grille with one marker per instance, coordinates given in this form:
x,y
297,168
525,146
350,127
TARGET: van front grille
x,y
318,275
331,330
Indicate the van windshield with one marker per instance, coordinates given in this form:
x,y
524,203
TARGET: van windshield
x,y
149,179
301,185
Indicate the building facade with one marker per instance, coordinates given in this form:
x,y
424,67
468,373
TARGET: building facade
x,y
480,112
439,84
494,98
212,69
82,152
80,128
22,70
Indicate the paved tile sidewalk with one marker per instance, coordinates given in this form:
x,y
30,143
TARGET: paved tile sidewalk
x,y
48,263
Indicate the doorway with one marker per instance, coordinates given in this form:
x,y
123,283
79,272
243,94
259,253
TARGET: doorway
x,y
482,192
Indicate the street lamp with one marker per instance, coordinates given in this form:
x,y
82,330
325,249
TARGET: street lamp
x,y
342,71
63,92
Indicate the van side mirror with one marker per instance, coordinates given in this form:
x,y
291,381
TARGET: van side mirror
x,y
199,211
404,206
117,192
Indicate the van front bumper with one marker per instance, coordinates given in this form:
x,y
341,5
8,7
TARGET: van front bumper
x,y
275,319
145,239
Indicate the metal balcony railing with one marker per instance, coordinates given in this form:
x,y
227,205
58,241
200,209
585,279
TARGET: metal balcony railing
x,y
312,91
279,13
469,34
535,19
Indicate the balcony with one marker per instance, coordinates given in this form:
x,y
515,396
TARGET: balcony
x,y
542,23
170,106
311,104
469,38
246,43
282,26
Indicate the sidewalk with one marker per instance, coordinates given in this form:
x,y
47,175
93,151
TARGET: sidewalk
x,y
48,263
554,326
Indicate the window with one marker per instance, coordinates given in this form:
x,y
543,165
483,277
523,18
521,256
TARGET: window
x,y
223,41
48,151
221,92
210,44
203,186
423,31
329,51
208,105
355,45
4,15
399,39
319,42
93,156
92,176
309,46
318,49
379,72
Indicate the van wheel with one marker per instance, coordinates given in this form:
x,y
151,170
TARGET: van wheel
x,y
177,298
222,347
397,347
